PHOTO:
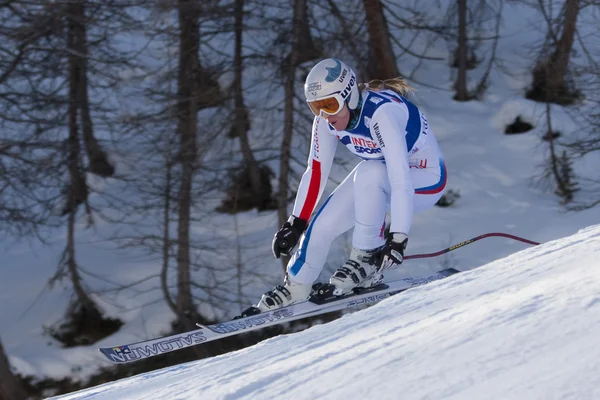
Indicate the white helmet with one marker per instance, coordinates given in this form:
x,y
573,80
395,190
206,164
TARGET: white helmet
x,y
328,85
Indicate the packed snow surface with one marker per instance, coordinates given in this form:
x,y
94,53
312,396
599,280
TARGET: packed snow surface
x,y
523,327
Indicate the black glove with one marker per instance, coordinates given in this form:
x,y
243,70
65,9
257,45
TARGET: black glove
x,y
391,254
287,237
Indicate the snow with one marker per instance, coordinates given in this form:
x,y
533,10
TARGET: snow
x,y
522,327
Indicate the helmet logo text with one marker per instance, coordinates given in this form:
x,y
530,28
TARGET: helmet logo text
x,y
346,91
313,87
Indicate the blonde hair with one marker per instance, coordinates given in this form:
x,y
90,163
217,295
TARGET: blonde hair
x,y
397,85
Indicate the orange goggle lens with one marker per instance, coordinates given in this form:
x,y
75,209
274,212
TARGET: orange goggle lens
x,y
329,105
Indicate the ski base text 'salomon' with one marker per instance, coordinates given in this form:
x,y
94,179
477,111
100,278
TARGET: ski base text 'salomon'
x,y
154,347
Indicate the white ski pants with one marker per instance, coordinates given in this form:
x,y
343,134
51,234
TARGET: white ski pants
x,y
361,201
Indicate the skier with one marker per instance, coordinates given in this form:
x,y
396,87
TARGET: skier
x,y
402,166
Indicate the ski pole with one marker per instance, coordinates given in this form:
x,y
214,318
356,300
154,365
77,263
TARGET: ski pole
x,y
456,246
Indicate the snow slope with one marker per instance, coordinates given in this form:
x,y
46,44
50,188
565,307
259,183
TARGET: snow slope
x,y
522,327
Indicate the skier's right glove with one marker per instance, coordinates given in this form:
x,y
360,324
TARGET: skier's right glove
x,y
288,236
391,254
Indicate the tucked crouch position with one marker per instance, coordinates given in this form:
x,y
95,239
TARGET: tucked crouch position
x,y
402,168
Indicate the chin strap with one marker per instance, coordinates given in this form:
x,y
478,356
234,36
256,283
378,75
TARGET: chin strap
x,y
355,114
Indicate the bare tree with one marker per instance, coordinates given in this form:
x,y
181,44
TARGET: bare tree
x,y
290,82
468,28
189,42
84,322
288,122
559,168
30,160
460,86
242,118
77,47
11,387
60,52
584,142
173,187
382,62
550,74
251,185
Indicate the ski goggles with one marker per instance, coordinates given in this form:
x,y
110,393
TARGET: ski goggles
x,y
329,105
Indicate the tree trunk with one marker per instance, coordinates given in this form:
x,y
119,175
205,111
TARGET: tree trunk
x,y
461,79
288,121
78,190
347,39
166,248
549,76
82,296
305,47
557,67
382,64
11,387
98,161
189,43
241,112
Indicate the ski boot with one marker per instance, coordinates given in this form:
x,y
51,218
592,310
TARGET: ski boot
x,y
356,275
281,296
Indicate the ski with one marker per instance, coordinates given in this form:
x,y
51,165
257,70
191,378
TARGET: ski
x,y
153,347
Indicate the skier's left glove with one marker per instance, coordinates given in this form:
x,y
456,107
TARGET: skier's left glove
x,y
391,254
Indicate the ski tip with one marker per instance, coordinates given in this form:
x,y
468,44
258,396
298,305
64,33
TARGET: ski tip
x,y
117,355
200,326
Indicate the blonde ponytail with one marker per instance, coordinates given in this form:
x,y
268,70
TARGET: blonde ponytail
x,y
397,85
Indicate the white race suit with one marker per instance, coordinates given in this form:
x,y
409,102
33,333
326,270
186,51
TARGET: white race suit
x,y
402,167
